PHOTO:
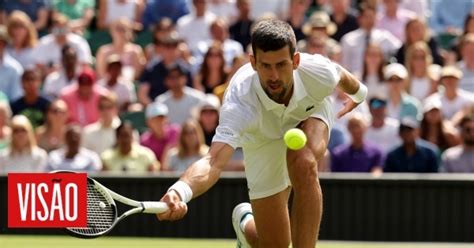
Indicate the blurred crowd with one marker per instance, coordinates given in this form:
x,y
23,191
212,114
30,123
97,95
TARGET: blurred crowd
x,y
136,85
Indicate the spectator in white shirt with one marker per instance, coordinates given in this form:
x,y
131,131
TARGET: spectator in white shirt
x,y
194,27
48,52
453,99
354,43
467,63
73,156
421,81
224,9
394,18
66,75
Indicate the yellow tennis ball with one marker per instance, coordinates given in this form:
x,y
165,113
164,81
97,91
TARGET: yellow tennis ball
x,y
295,139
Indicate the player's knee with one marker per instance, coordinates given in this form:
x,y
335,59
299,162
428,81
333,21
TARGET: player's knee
x,y
303,171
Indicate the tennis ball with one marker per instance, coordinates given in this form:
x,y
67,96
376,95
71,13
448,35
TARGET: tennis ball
x,y
295,139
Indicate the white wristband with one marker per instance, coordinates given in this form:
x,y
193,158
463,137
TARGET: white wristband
x,y
184,191
360,95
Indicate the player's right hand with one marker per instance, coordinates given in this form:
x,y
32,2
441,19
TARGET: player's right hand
x,y
177,208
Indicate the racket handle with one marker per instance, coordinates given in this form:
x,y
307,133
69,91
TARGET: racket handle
x,y
153,207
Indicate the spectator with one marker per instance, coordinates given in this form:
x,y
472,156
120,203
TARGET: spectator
x,y
413,155
467,62
435,129
5,130
459,159
23,155
152,80
360,155
191,147
372,73
261,8
162,136
36,10
400,104
10,69
213,69
454,52
32,104
161,30
180,99
73,156
453,99
354,43
100,135
421,8
131,55
24,38
51,134
383,130
48,52
114,82
394,18
66,74
240,30
111,11
447,17
318,26
156,10
344,17
297,16
223,9
79,12
416,31
421,81
195,27
127,155
82,98
208,117
219,30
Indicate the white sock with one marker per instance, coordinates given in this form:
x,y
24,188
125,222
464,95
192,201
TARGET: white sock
x,y
248,217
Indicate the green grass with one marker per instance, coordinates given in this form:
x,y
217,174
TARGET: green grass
x,y
23,241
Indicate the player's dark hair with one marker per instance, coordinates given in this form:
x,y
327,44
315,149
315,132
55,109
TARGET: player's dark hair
x,y
273,35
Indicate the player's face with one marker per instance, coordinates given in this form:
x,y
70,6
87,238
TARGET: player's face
x,y
275,71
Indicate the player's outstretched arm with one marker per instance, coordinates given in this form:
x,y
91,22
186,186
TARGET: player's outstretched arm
x,y
196,180
356,91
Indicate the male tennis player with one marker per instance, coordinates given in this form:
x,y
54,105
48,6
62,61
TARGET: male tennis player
x,y
279,89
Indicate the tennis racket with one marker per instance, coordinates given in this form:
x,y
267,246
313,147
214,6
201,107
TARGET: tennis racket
x,y
102,211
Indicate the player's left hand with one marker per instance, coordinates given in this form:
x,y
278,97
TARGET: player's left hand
x,y
349,105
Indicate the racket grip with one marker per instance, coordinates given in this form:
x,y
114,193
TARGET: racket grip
x,y
154,207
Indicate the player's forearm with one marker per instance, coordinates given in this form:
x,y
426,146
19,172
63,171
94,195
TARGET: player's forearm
x,y
348,83
201,176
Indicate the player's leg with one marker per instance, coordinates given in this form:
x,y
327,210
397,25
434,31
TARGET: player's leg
x,y
269,216
307,196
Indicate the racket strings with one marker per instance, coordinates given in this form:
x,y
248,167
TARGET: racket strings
x,y
100,213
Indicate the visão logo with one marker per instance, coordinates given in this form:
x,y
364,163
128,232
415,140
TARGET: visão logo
x,y
46,200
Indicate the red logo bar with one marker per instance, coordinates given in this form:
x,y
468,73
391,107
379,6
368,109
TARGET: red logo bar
x,y
45,200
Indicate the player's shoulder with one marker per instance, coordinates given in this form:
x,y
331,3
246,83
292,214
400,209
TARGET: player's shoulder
x,y
241,82
316,70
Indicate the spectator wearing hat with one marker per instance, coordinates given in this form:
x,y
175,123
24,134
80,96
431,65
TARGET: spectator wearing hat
x,y
48,52
114,82
73,156
452,98
435,129
383,130
414,155
400,103
82,98
31,104
394,18
318,30
207,114
152,79
127,155
467,62
10,69
240,30
180,99
162,136
459,159
100,135
344,17
65,75
360,155
355,42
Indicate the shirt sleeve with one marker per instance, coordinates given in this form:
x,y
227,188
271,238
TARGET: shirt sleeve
x,y
322,74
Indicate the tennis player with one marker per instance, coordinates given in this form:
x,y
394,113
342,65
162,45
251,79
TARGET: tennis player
x,y
279,89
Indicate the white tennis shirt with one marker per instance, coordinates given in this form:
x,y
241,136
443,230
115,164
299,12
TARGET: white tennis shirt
x,y
248,117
